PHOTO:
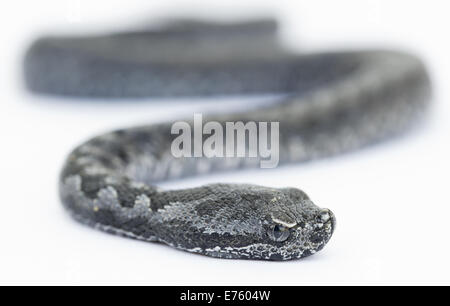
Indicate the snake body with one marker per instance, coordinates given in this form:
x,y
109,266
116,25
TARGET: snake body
x,y
334,102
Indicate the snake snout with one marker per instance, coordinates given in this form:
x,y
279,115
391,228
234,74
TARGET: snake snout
x,y
324,227
326,216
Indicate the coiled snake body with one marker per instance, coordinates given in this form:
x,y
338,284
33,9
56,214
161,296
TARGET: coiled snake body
x,y
336,102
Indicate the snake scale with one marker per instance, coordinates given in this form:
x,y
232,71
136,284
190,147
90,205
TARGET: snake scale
x,y
331,103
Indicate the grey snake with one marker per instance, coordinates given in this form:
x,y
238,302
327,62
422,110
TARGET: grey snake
x,y
331,103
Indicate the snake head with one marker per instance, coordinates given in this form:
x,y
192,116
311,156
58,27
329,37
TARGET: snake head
x,y
295,226
299,239
255,222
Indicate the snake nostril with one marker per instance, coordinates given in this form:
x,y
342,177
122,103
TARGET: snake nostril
x,y
324,215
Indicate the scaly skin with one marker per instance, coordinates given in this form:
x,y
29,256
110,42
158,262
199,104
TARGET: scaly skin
x,y
337,102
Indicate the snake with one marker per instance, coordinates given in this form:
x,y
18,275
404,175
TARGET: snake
x,y
326,103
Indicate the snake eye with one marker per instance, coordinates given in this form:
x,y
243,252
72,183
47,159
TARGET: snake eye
x,y
278,233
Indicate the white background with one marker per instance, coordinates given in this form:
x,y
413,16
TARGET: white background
x,y
391,201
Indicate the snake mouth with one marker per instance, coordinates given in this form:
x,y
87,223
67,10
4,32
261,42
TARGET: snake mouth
x,y
329,219
329,225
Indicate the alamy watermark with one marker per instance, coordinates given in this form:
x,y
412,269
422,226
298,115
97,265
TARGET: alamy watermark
x,y
231,139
